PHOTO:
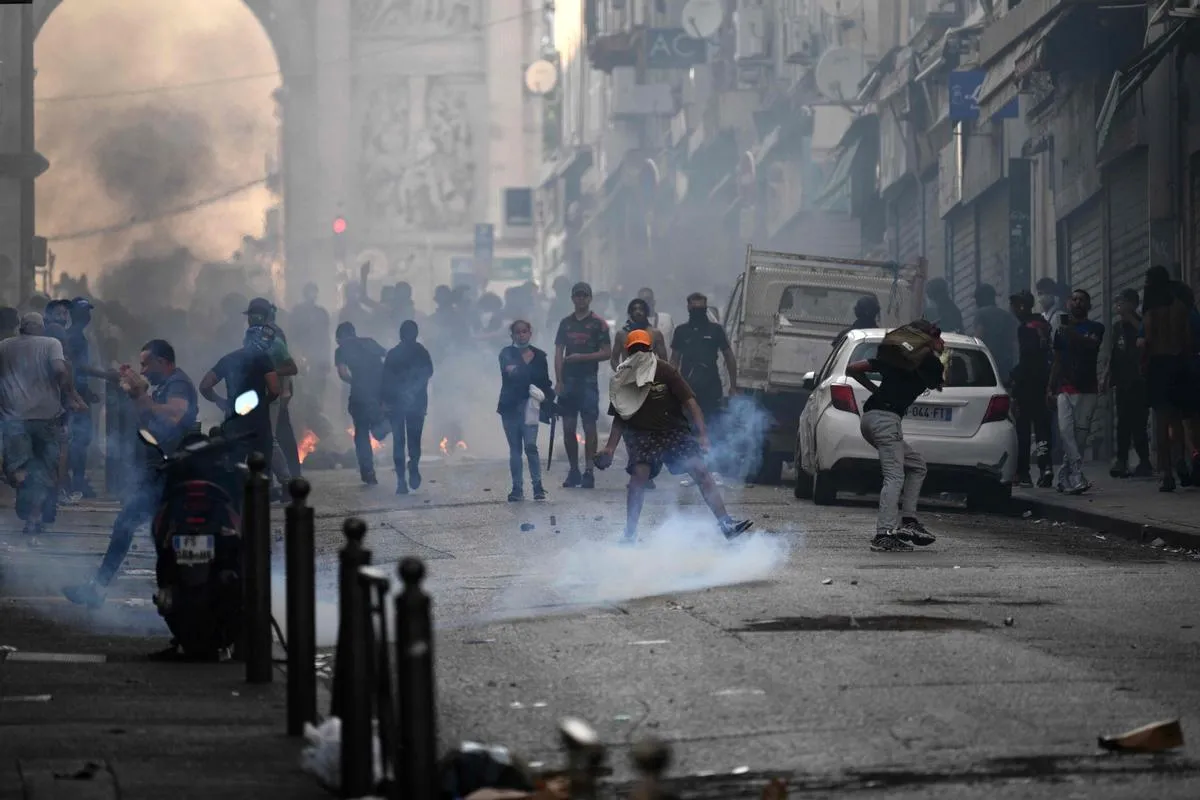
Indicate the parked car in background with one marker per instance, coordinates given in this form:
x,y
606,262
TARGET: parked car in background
x,y
964,431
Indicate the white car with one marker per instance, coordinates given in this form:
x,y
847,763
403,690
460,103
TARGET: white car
x,y
964,431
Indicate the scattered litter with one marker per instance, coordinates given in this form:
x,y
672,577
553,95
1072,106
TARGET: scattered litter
x,y
139,572
7,648
1027,514
622,718
854,583
479,641
956,566
1158,543
135,602
516,704
1152,738
553,520
1057,524
1038,521
597,519
235,694
539,704
322,757
536,764
651,641
739,770
827,581
1008,622
26,698
1098,536
487,490
527,526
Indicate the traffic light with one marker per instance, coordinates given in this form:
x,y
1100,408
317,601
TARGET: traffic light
x,y
339,238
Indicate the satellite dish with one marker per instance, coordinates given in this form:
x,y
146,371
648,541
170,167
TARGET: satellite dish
x,y
841,8
541,77
703,18
839,72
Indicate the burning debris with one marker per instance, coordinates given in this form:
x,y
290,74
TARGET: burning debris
x,y
444,446
376,445
307,444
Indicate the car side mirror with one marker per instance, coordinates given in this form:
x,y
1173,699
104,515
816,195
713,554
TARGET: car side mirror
x,y
810,381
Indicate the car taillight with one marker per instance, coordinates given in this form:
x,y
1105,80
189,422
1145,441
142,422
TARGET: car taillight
x,y
997,410
843,398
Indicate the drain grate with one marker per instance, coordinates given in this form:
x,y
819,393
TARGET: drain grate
x,y
876,623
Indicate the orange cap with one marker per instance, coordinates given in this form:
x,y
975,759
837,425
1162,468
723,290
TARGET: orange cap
x,y
638,336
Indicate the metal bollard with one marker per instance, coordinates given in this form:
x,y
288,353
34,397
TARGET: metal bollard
x,y
301,610
376,585
416,757
651,757
585,757
256,577
352,675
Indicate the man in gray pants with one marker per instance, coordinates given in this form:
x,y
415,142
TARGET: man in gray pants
x,y
897,527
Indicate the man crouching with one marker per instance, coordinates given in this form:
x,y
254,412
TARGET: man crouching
x,y
647,399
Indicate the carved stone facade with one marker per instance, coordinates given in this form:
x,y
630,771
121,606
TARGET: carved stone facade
x,y
406,17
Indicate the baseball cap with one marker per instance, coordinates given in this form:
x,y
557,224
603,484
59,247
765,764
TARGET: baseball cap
x,y
581,288
638,336
259,305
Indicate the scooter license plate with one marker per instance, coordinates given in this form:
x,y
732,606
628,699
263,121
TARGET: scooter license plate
x,y
194,549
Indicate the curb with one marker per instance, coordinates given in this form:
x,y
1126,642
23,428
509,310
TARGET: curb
x,y
1132,530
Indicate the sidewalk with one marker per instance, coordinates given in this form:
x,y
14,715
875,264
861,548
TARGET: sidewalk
x,y
84,715
1131,508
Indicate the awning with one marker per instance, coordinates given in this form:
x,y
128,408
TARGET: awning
x,y
1002,82
840,177
1126,82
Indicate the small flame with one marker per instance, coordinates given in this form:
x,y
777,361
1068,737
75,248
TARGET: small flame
x,y
376,445
307,444
444,446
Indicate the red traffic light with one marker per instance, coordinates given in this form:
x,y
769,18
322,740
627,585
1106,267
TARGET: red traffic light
x,y
339,225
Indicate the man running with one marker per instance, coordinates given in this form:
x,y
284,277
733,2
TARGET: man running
x,y
582,342
647,401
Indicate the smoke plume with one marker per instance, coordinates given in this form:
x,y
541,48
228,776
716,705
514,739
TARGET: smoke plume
x,y
121,155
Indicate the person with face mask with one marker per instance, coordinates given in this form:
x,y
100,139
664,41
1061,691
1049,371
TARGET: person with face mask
x,y
639,320
246,369
694,352
165,400
526,399
407,370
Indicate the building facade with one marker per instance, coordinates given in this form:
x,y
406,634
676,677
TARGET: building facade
x,y
411,121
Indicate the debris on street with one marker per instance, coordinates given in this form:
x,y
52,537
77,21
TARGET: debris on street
x,y
1153,738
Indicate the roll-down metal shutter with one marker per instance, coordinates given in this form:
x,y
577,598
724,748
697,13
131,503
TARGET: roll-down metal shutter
x,y
963,272
1085,270
993,241
935,231
1194,209
1128,229
908,222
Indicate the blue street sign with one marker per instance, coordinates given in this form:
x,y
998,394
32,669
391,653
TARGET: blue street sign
x,y
964,86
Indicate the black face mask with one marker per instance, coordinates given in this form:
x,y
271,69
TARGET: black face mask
x,y
698,314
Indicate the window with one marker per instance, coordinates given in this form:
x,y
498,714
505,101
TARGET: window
x,y
965,367
818,304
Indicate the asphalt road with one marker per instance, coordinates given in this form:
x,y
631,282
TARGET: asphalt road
x,y
794,651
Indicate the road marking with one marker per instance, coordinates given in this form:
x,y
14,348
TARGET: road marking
x,y
57,658
651,641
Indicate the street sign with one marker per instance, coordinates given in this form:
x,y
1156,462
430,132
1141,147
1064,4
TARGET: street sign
x,y
512,268
673,48
964,86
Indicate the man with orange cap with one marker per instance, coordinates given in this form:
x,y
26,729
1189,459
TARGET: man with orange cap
x,y
648,399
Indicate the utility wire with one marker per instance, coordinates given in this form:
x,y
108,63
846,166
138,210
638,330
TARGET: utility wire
x,y
171,212
179,87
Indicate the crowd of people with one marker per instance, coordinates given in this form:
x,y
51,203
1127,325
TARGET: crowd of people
x,y
1057,362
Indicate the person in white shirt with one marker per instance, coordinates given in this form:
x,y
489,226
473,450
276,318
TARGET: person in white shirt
x,y
661,322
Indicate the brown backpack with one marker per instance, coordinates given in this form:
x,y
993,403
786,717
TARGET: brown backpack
x,y
907,347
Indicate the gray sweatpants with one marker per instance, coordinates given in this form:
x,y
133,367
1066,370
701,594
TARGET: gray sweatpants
x,y
903,468
1075,412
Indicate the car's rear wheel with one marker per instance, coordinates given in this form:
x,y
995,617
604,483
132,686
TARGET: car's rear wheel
x,y
804,485
993,497
824,489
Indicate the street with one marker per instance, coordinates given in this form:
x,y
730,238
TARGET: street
x,y
894,674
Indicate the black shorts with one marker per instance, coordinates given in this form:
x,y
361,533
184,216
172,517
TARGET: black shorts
x,y
1169,384
580,396
677,449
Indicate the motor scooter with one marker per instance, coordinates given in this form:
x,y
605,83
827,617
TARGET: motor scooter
x,y
197,541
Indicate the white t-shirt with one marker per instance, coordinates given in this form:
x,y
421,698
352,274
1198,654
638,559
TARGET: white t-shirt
x,y
665,325
28,389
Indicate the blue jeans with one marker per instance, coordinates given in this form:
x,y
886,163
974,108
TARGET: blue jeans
x,y
522,437
80,427
138,507
31,448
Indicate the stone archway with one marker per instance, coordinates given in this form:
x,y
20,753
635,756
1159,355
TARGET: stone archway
x,y
291,28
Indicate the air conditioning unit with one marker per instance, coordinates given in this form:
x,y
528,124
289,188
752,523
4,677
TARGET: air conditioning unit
x,y
798,47
751,34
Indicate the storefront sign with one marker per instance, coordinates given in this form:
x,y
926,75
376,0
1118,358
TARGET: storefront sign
x,y
673,48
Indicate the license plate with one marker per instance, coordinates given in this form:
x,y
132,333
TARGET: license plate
x,y
932,413
193,549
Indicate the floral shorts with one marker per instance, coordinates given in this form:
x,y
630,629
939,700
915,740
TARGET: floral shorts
x,y
678,450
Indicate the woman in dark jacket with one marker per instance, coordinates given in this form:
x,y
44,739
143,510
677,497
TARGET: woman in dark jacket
x,y
526,397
